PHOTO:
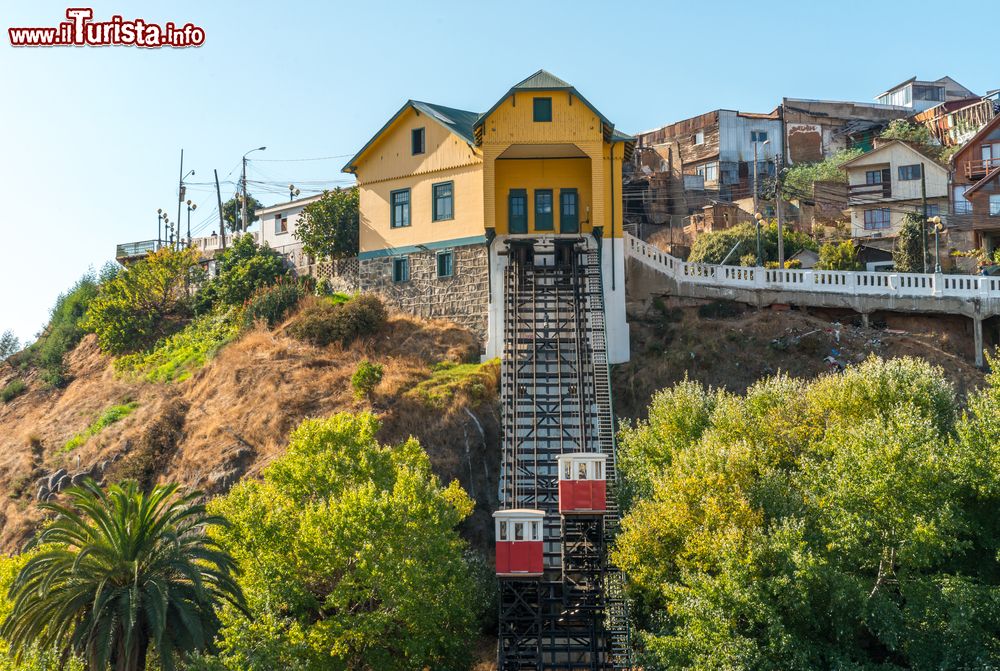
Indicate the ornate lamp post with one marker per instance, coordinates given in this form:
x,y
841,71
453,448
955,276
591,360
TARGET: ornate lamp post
x,y
190,206
759,219
937,227
292,192
159,226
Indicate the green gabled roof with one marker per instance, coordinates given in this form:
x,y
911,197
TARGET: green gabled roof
x,y
619,136
544,81
459,122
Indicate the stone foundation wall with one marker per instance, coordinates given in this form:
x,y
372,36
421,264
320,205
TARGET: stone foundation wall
x,y
462,298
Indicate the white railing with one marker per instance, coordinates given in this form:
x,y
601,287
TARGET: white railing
x,y
903,285
213,243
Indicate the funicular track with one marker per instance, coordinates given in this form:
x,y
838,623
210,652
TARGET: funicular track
x,y
556,400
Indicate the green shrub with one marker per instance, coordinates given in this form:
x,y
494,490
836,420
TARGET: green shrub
x,y
246,267
144,302
838,256
366,377
13,390
63,332
325,322
714,246
475,380
271,304
176,357
115,413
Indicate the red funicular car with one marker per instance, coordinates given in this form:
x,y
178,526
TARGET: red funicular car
x,y
582,485
519,542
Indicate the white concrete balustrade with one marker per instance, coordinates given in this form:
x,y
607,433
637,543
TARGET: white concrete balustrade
x,y
858,283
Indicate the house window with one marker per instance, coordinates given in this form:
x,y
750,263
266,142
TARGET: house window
x,y
445,264
877,219
933,210
543,209
542,109
517,211
962,206
995,204
873,177
401,269
444,201
280,224
569,212
758,136
699,137
417,141
400,204
909,172
710,171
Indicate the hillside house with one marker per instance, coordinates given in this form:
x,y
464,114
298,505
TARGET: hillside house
x,y
441,189
277,228
817,129
889,182
975,162
919,95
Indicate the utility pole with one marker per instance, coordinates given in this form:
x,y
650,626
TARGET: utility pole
x,y
222,220
243,205
755,208
923,223
180,190
779,211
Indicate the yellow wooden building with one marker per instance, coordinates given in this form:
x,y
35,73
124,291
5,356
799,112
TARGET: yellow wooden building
x,y
442,188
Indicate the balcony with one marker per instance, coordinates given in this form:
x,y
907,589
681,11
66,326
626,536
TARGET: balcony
x,y
977,168
135,250
869,193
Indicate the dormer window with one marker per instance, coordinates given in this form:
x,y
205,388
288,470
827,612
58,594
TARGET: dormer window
x,y
417,137
542,109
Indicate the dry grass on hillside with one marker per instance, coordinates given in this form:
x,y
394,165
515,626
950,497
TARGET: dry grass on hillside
x,y
233,416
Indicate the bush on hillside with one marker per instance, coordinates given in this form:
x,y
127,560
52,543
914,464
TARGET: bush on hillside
x,y
908,251
799,179
13,390
244,268
844,522
349,558
144,302
714,246
271,304
838,256
324,322
365,378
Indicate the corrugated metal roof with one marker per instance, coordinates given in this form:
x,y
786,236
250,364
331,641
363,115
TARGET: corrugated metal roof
x,y
459,122
541,80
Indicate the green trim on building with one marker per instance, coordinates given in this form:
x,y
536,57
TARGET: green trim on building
x,y
430,246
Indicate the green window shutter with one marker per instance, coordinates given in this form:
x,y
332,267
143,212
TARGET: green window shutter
x,y
543,209
443,201
399,202
542,109
517,211
569,211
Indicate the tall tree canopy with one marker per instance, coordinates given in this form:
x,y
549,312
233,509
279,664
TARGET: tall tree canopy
x,y
232,212
118,574
350,558
844,523
328,228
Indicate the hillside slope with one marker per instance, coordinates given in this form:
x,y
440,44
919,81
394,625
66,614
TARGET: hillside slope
x,y
232,417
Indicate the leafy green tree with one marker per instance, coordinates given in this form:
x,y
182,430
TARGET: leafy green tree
x,y
350,558
901,129
144,302
365,378
713,246
908,252
232,212
245,267
120,574
838,256
328,228
844,523
9,345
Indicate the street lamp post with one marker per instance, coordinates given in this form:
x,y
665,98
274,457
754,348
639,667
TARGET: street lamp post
x,y
159,227
191,206
758,217
935,222
244,181
292,192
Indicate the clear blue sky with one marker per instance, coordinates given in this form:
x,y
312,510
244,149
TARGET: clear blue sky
x,y
90,137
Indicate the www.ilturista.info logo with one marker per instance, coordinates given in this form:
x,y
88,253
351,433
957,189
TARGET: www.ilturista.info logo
x,y
80,31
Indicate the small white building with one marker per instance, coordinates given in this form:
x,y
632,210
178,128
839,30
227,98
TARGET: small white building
x,y
887,183
278,223
921,95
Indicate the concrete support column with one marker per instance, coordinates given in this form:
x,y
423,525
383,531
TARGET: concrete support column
x,y
865,321
977,333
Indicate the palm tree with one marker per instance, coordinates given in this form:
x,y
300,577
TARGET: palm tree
x,y
119,571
